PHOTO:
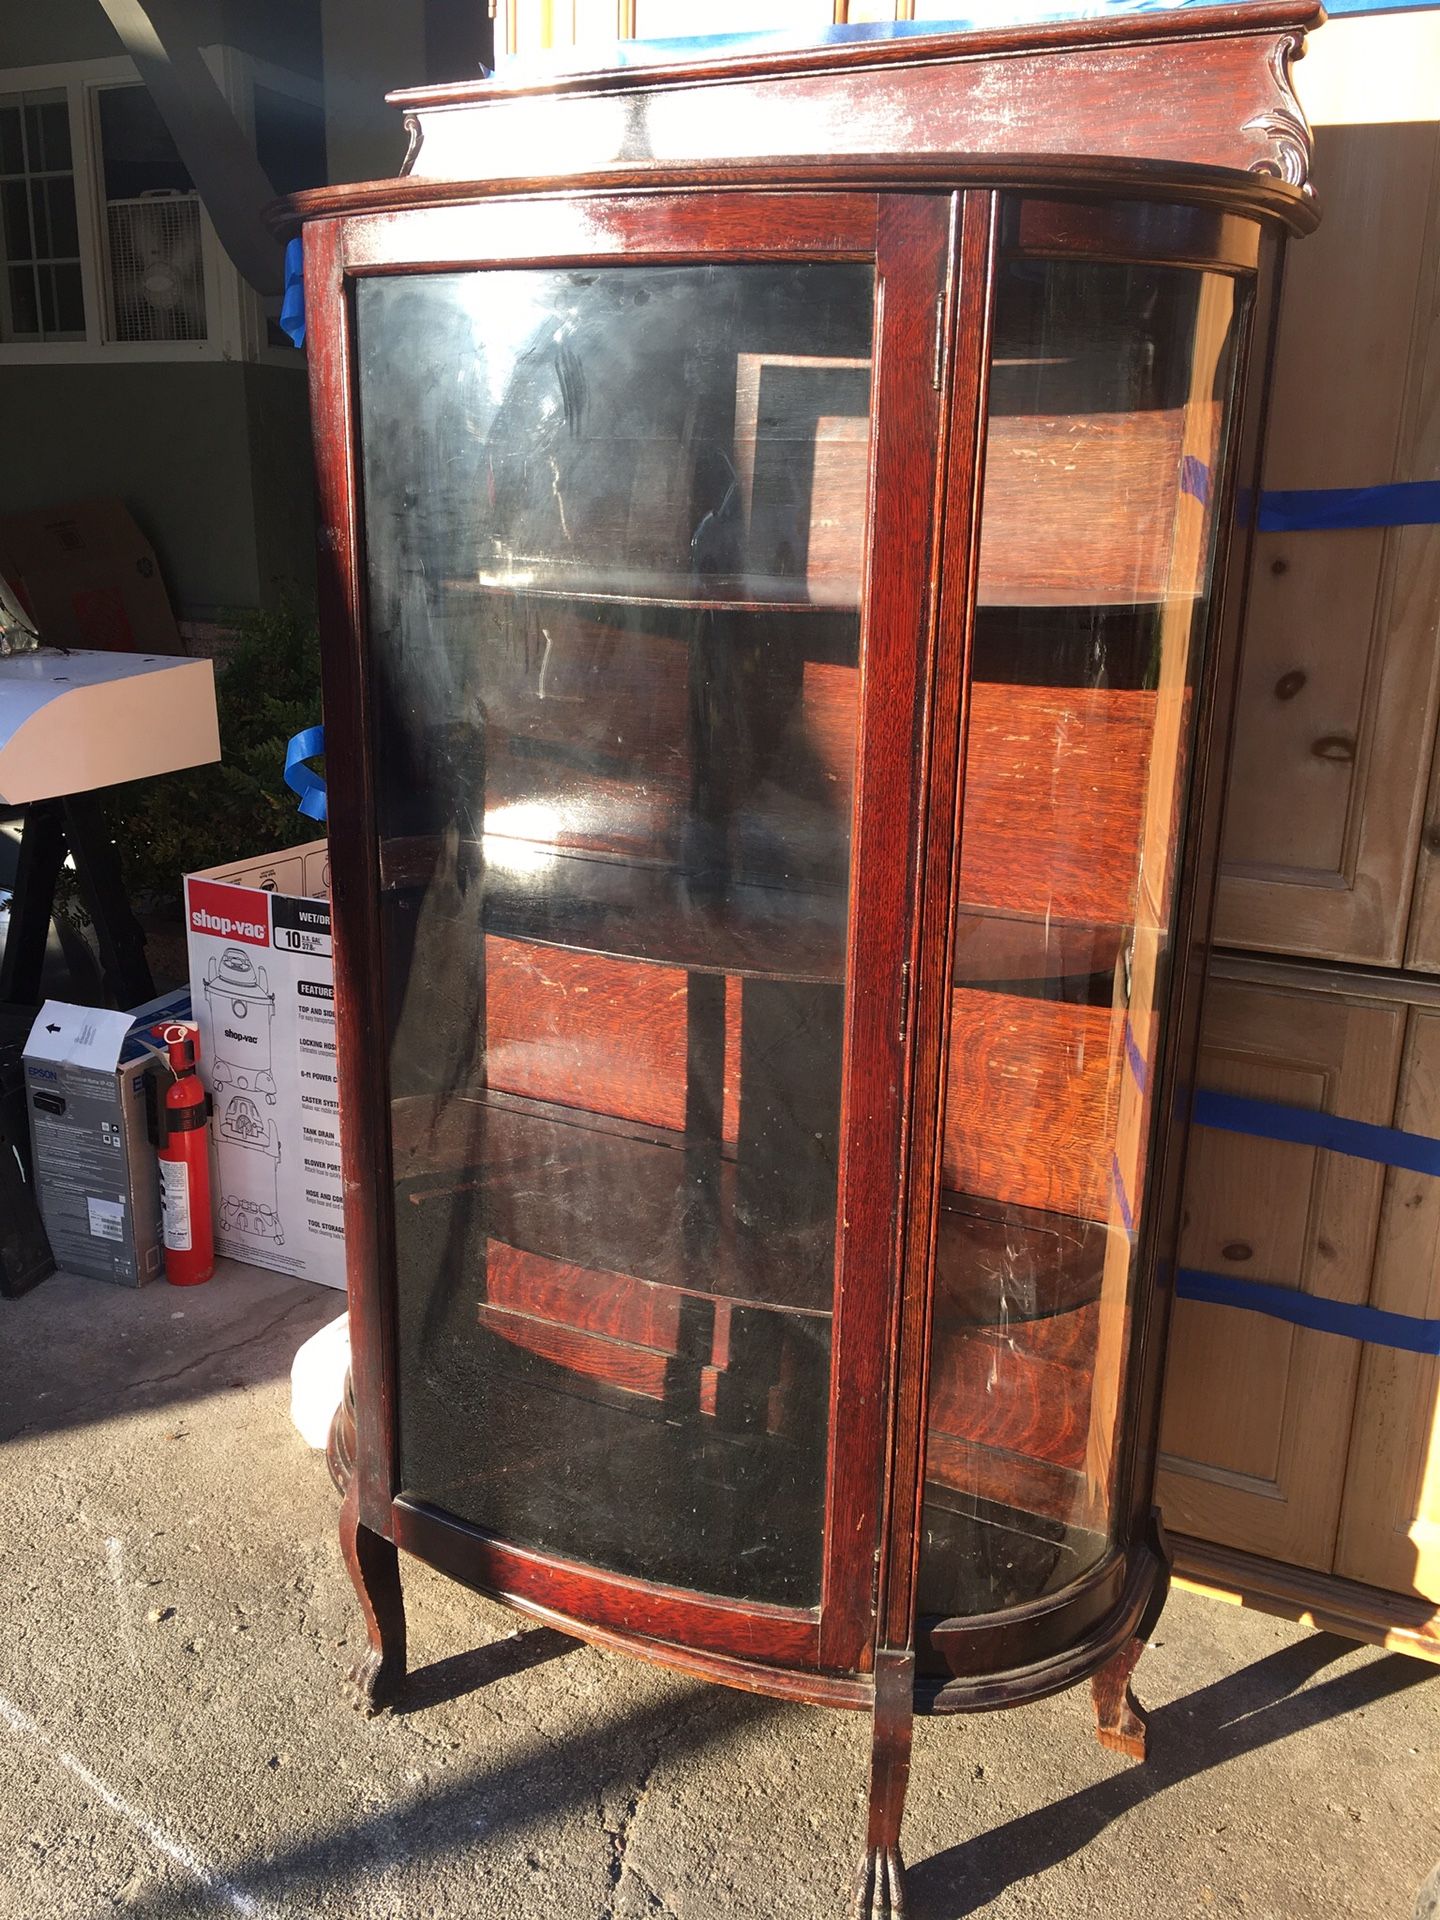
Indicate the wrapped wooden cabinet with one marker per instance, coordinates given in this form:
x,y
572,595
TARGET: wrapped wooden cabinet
x,y
1331,839
773,510
1298,1468
1257,1421
1301,1466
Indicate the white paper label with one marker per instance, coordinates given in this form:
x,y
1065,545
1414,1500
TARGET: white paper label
x,y
107,1218
175,1204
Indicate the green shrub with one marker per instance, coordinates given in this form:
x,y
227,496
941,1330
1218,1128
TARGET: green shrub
x,y
266,689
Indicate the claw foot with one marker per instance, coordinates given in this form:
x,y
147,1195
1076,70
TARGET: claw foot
x,y
1119,1719
372,1683
880,1886
1126,1731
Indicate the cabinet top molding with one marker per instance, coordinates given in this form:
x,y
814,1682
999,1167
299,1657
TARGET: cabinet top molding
x,y
1195,104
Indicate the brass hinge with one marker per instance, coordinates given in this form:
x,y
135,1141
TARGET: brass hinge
x,y
904,1000
938,360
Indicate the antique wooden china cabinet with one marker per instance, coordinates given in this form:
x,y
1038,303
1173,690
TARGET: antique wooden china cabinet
x,y
773,512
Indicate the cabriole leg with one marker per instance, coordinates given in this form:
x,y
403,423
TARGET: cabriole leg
x,y
1119,1720
880,1878
373,1683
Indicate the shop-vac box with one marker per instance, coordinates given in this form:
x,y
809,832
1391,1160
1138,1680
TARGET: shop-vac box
x,y
262,984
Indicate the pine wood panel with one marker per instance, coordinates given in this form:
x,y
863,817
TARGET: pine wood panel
x,y
1390,1519
1417,595
1257,1413
1339,685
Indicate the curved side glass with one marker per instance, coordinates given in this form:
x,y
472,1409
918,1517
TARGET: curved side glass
x,y
615,526
1110,396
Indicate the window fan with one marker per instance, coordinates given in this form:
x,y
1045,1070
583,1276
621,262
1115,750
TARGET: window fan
x,y
157,274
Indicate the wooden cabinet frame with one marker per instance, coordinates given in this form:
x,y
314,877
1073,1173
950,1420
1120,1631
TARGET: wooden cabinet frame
x,y
906,157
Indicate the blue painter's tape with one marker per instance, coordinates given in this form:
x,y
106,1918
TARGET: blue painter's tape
x,y
1138,1065
1122,1199
292,306
1195,478
1302,1127
1371,1324
302,779
1409,503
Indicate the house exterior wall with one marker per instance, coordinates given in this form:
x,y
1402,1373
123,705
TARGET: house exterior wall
x,y
211,455
37,36
212,459
371,47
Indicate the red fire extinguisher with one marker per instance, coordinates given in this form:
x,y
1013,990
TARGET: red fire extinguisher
x,y
184,1156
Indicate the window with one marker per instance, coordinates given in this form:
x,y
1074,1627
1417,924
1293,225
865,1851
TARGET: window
x,y
42,291
154,261
107,252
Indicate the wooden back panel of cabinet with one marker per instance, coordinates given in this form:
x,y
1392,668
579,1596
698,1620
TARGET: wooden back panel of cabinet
x,y
1336,721
1257,1412
1390,1521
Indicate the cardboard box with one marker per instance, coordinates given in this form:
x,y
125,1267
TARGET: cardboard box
x,y
262,986
88,577
86,1070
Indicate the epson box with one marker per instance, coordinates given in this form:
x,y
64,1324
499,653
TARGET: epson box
x,y
262,987
85,1088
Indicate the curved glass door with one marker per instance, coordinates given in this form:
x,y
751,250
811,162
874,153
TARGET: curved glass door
x,y
1110,391
614,522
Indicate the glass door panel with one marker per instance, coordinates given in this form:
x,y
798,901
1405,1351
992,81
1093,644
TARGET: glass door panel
x,y
614,522
1110,387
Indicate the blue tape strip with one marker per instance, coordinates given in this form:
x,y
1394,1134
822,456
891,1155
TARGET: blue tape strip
x,y
1122,1199
1371,1324
1195,478
1138,1065
1409,503
302,779
292,306
1302,1127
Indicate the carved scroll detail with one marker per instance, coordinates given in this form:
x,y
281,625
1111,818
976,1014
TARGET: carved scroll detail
x,y
415,137
1285,125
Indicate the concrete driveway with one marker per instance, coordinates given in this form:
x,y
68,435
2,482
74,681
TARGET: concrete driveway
x,y
175,1621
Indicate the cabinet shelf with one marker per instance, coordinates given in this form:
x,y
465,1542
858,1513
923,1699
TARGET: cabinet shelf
x,y
652,915
718,594
525,1173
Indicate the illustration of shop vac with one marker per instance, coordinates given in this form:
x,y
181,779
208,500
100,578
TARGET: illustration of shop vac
x,y
242,1011
247,1150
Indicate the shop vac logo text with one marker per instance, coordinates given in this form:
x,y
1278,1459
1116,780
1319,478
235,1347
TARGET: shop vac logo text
x,y
227,913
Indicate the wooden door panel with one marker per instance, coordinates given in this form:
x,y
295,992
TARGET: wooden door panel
x,y
1339,680
1257,1412
1390,1521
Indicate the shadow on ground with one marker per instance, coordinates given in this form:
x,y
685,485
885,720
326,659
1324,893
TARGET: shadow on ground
x,y
496,1806
505,1801
81,1351
1252,1708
